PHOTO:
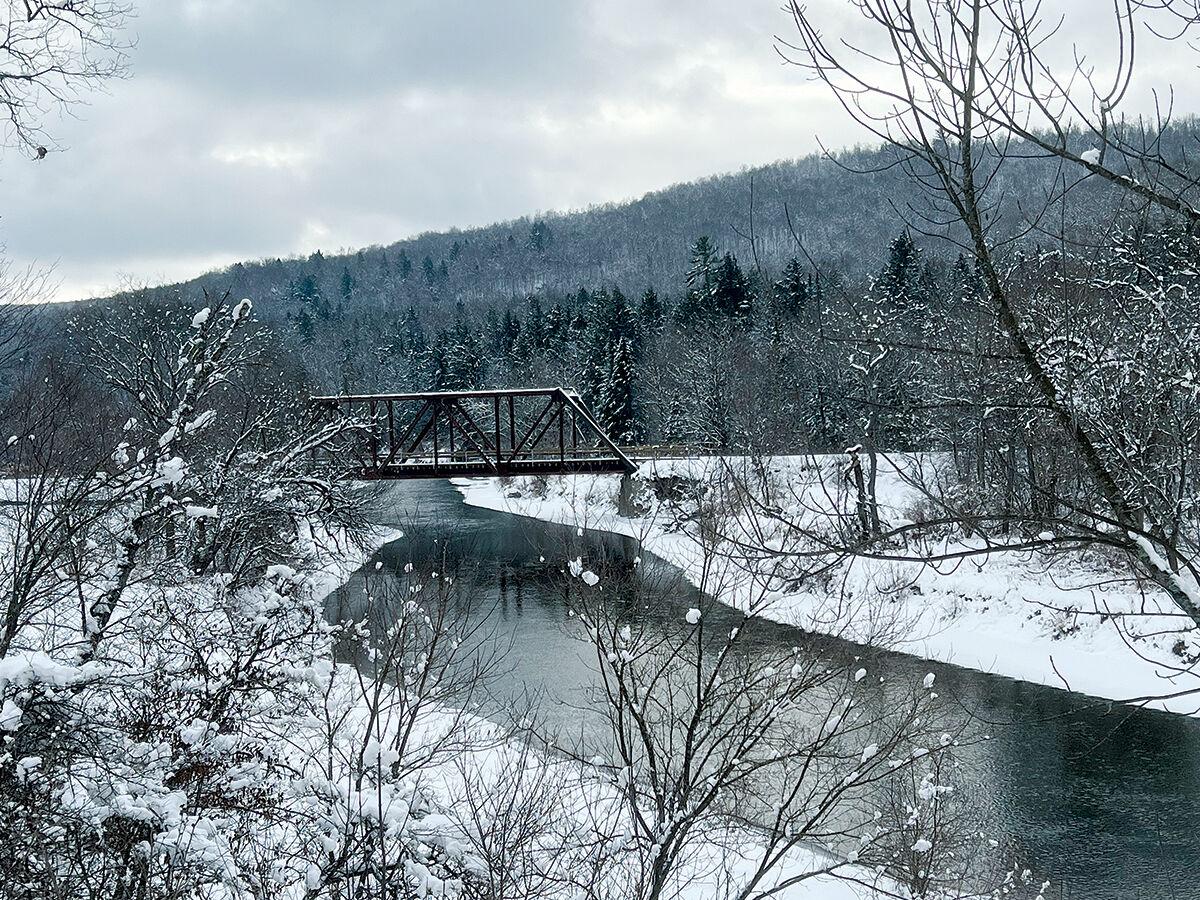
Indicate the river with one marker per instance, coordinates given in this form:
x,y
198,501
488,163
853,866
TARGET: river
x,y
1105,800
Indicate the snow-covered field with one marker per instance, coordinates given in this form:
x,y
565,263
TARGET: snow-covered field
x,y
1028,615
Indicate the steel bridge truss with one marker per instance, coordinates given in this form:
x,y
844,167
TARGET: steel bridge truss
x,y
533,431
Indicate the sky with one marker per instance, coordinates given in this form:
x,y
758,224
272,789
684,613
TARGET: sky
x,y
260,128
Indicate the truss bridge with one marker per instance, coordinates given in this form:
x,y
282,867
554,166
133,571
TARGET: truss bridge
x,y
446,434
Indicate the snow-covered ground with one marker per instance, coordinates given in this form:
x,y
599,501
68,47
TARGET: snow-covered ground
x,y
346,723
1028,615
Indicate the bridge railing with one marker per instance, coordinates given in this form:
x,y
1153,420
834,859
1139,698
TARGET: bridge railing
x,y
434,434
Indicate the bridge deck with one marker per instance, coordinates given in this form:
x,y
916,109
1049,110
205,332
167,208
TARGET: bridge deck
x,y
443,469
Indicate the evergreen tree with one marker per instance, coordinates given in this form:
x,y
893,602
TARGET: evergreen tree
x,y
304,327
493,331
413,330
651,315
415,355
510,331
617,412
701,277
534,331
558,327
307,293
904,284
404,266
676,428
429,269
792,291
596,349
347,284
457,358
731,290
620,320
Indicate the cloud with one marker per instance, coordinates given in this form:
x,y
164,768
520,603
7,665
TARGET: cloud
x,y
254,128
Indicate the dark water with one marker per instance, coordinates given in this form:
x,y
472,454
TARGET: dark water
x,y
1104,800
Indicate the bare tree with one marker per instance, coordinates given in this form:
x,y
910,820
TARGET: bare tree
x,y
718,742
51,52
949,86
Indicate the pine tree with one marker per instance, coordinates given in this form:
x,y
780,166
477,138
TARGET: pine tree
x,y
596,349
510,331
457,357
676,427
404,266
792,291
414,331
652,315
617,412
621,320
903,283
702,274
731,290
307,292
891,321
304,327
534,331
492,337
558,327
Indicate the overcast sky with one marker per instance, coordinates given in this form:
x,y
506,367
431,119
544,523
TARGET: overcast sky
x,y
252,128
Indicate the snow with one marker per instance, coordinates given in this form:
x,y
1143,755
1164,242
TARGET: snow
x,y
10,716
1091,156
1027,615
693,616
201,421
25,668
194,733
200,318
170,471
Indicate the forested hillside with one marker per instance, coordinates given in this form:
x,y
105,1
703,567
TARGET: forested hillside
x,y
807,294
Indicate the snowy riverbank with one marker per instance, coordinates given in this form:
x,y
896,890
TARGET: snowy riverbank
x,y
1025,615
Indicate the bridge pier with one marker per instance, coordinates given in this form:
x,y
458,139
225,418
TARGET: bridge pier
x,y
625,496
